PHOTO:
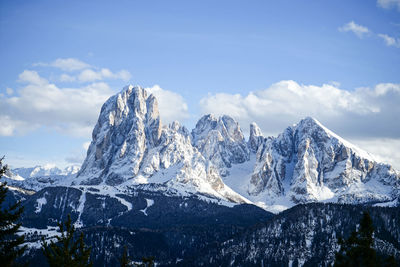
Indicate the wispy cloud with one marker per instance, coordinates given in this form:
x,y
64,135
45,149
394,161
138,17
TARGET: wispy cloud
x,y
67,78
357,29
65,64
89,75
83,72
389,4
362,31
389,40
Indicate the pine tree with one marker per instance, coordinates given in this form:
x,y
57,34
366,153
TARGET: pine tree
x,y
124,261
390,262
66,251
358,249
10,244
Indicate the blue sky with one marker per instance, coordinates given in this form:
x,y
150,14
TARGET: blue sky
x,y
209,56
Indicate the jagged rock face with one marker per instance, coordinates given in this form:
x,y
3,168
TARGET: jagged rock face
x,y
220,141
307,162
176,161
256,138
130,146
129,124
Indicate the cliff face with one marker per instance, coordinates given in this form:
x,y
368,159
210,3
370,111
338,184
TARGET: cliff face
x,y
307,162
130,146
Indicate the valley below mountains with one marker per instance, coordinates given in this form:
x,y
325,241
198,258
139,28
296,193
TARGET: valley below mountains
x,y
209,196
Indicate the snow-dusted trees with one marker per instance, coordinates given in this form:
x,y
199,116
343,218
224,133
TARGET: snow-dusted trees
x,y
10,244
67,251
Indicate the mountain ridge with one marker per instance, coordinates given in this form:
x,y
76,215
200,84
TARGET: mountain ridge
x,y
305,163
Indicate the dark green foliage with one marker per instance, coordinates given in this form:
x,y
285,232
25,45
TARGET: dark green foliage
x,y
124,261
67,252
358,249
390,262
10,243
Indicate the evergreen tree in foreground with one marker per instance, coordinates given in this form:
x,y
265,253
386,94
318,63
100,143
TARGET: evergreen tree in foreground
x,y
66,251
10,244
358,249
124,261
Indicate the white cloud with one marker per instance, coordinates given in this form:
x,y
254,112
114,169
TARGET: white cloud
x,y
358,30
361,31
9,91
72,111
40,103
65,64
79,155
67,78
356,113
172,106
29,76
10,125
389,40
89,75
389,4
384,149
86,145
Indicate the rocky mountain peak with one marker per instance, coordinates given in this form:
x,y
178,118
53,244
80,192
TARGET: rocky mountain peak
x,y
256,137
308,162
221,141
129,124
130,147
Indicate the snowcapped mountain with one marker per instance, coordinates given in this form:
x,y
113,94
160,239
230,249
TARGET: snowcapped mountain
x,y
305,163
38,177
221,142
308,163
186,196
131,147
46,170
179,192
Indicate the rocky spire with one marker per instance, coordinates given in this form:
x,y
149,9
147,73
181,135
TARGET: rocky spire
x,y
128,125
256,137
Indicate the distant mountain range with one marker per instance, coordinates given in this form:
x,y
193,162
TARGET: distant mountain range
x,y
38,177
183,185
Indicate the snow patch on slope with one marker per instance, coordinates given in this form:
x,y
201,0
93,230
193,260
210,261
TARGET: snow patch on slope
x,y
149,202
40,202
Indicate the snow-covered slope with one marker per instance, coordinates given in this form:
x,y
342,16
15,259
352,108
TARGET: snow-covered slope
x,y
45,170
38,177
